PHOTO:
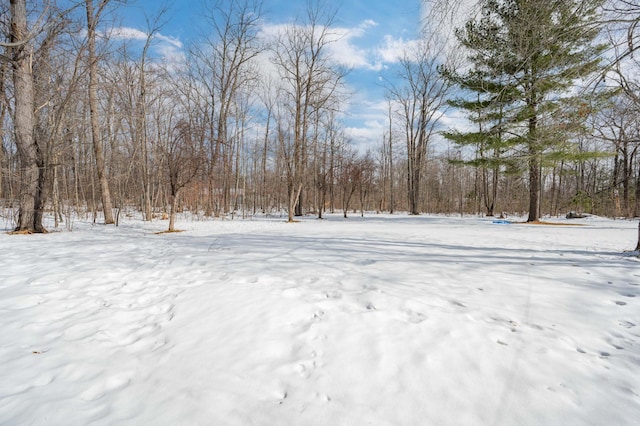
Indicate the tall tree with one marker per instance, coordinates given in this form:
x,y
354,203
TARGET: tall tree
x,y
183,160
421,96
3,113
29,153
93,17
535,50
619,125
224,61
142,104
310,80
623,20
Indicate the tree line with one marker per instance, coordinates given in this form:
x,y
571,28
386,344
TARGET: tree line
x,y
240,123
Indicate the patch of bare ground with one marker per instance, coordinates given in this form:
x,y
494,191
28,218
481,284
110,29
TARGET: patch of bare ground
x,y
26,232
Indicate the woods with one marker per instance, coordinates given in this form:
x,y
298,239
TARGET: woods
x,y
251,116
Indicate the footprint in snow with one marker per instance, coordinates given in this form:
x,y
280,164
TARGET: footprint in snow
x,y
626,324
282,398
415,317
333,294
160,309
305,369
620,303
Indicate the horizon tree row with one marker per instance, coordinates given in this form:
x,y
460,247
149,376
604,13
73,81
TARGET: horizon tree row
x,y
242,124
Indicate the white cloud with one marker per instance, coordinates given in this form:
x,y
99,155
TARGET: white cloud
x,y
346,53
169,40
393,49
364,138
372,123
170,49
343,48
171,53
126,33
270,32
372,130
453,119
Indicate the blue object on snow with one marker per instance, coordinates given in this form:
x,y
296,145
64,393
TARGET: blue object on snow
x,y
501,222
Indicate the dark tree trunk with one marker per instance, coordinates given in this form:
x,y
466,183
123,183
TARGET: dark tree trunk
x,y
636,208
534,169
414,190
298,209
534,190
30,157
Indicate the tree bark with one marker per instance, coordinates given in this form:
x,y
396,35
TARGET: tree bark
x,y
534,165
534,190
3,112
636,209
93,112
29,155
173,203
294,196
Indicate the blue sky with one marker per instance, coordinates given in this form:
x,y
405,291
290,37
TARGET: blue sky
x,y
375,32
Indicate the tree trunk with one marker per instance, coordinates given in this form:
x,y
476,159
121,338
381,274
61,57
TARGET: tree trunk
x,y
173,202
93,112
3,112
636,208
265,146
57,215
534,188
534,151
627,174
298,209
414,187
294,196
28,153
391,189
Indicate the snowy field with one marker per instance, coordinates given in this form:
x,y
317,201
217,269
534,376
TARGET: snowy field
x,y
382,320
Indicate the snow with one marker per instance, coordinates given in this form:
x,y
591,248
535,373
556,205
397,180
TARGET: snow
x,y
381,320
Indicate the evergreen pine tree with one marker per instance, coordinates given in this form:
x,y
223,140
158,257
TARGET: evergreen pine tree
x,y
526,56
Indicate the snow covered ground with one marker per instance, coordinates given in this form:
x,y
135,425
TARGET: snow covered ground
x,y
382,320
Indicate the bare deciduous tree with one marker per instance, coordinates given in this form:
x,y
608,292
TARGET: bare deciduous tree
x,y
93,18
224,65
421,97
310,80
29,154
183,157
